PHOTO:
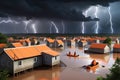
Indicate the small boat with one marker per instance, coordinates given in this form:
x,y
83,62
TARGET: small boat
x,y
72,55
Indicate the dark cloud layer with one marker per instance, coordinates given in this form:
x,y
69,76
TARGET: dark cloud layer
x,y
50,9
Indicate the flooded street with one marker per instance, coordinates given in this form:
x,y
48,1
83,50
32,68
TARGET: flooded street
x,y
73,69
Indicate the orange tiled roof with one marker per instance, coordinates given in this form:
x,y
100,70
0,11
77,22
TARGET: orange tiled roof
x,y
47,50
17,44
116,46
21,53
96,45
27,40
60,41
27,52
2,45
50,40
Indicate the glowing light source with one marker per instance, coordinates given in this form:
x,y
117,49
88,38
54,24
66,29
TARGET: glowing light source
x,y
86,15
97,23
26,25
111,24
57,31
9,21
34,28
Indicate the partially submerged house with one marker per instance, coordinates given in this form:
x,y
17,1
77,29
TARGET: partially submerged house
x,y
54,43
116,48
58,43
82,43
99,48
71,42
23,58
28,42
17,44
20,59
50,42
49,57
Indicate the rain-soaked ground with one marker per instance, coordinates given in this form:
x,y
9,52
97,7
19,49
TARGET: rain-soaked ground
x,y
73,69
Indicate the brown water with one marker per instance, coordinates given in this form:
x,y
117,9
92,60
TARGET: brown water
x,y
73,69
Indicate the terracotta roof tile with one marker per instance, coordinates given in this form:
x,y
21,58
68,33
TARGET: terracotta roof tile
x,y
116,46
27,40
23,52
96,45
50,40
17,44
60,41
2,45
27,52
47,50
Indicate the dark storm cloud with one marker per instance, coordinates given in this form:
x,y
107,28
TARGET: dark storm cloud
x,y
50,9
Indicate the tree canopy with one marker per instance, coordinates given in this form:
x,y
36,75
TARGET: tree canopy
x,y
3,38
114,72
108,41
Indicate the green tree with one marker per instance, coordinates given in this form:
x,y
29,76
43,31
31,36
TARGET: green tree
x,y
114,72
108,41
3,38
4,75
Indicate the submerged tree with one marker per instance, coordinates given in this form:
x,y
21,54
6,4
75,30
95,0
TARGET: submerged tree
x,y
114,72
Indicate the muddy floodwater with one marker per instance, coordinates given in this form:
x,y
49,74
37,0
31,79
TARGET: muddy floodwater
x,y
72,68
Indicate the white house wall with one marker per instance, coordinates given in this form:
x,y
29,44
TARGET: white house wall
x,y
55,61
26,64
106,49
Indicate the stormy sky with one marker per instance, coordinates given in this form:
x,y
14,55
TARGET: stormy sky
x,y
60,16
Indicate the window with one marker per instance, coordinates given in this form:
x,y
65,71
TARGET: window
x,y
55,57
35,59
19,62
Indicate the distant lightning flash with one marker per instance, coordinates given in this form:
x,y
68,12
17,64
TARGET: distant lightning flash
x,y
57,31
63,27
34,28
26,24
83,23
83,27
111,24
97,23
9,21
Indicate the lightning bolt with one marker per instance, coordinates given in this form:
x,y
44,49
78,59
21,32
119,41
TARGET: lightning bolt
x,y
63,27
97,23
83,27
111,24
83,23
9,21
26,25
50,29
34,28
57,31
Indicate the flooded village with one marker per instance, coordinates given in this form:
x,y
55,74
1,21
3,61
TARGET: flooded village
x,y
59,58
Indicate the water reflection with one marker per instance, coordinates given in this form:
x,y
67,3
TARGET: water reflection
x,y
73,69
40,74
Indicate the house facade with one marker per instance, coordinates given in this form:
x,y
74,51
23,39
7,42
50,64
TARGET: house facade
x,y
116,48
23,58
99,48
